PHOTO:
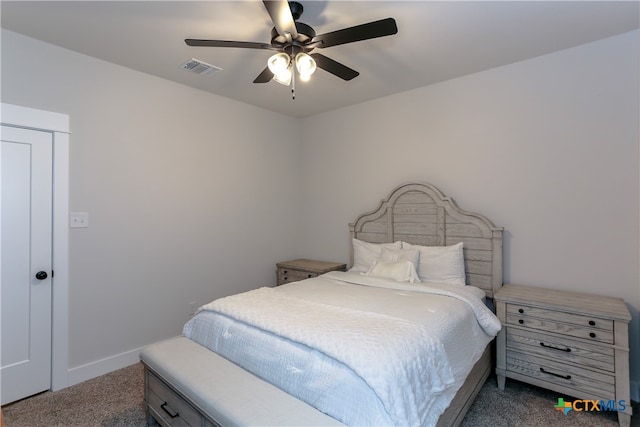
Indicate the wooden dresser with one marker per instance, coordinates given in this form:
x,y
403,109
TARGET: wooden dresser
x,y
573,343
299,269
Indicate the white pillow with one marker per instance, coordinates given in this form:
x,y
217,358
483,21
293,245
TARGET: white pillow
x,y
440,264
397,255
402,271
365,254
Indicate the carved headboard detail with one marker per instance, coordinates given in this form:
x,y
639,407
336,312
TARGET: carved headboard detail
x,y
420,214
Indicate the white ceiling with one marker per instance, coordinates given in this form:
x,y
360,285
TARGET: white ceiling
x,y
436,41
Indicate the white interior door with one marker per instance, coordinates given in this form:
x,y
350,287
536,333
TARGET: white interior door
x,y
26,253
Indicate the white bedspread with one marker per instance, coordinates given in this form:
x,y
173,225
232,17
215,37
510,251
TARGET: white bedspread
x,y
413,345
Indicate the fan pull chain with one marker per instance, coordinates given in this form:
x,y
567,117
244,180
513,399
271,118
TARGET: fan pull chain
x,y
293,83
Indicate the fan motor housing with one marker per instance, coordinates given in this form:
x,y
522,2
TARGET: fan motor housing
x,y
296,10
305,35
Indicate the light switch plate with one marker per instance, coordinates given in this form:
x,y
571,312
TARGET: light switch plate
x,y
78,219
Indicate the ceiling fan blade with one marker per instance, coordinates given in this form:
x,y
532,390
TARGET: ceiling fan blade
x,y
371,30
227,43
334,67
281,16
264,77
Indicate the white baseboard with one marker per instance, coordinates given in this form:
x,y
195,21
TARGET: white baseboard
x,y
104,366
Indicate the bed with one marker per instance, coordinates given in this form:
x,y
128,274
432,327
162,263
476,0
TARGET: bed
x,y
402,338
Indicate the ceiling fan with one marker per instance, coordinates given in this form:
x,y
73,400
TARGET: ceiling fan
x,y
295,40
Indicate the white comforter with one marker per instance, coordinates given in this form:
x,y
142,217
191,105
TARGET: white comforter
x,y
413,345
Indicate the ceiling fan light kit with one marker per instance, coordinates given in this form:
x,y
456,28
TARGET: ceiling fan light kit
x,y
295,40
305,65
280,66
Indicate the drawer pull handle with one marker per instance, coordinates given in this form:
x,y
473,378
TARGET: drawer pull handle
x,y
309,275
568,350
566,377
520,321
592,323
520,311
592,335
168,411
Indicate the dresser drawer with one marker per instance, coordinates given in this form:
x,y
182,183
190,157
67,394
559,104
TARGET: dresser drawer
x,y
582,380
288,275
587,327
560,348
574,319
167,407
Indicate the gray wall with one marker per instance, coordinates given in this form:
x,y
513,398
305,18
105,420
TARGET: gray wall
x,y
546,148
190,196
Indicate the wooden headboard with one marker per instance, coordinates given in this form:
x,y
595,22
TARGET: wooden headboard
x,y
420,214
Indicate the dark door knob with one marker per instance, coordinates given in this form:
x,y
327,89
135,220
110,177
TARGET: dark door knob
x,y
41,275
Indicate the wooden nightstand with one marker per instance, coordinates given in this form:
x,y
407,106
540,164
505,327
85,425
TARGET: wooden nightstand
x,y
298,269
572,343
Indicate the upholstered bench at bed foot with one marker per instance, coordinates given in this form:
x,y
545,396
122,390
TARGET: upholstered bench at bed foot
x,y
187,384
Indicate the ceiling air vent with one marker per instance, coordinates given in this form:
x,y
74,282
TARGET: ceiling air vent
x,y
199,67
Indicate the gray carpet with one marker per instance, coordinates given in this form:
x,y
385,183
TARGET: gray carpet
x,y
116,399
